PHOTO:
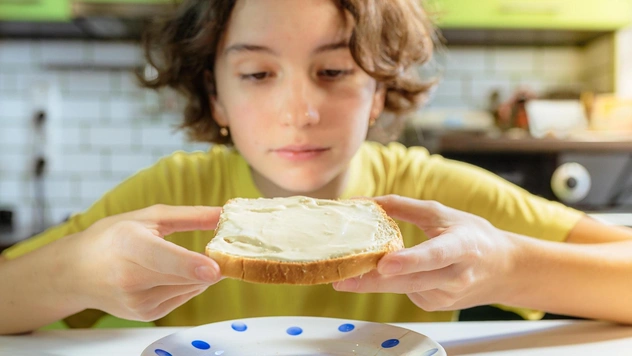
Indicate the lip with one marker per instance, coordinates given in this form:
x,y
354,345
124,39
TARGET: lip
x,y
300,152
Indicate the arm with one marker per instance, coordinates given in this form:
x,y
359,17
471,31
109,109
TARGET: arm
x,y
120,265
591,231
45,296
591,280
469,262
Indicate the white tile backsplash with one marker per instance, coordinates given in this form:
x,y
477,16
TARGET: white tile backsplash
x,y
129,163
89,82
8,82
17,53
14,164
120,137
80,163
11,190
560,62
117,54
514,60
467,59
163,136
473,73
125,109
63,52
81,109
13,108
14,136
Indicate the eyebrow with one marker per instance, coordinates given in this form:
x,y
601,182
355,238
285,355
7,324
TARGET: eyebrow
x,y
244,47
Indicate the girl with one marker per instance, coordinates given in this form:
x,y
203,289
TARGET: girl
x,y
294,86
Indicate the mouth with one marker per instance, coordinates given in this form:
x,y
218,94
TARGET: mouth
x,y
299,153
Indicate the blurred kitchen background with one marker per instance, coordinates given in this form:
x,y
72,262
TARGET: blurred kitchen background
x,y
538,91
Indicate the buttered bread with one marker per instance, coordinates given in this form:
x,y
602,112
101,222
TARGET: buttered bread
x,y
301,240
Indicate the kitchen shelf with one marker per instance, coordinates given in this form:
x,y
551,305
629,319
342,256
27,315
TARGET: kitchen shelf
x,y
471,143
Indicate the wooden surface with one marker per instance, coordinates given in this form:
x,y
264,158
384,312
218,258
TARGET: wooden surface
x,y
487,143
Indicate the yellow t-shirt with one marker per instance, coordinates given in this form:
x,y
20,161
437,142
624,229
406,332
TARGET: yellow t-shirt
x,y
213,177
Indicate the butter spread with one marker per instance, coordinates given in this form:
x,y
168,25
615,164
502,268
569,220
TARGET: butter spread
x,y
296,228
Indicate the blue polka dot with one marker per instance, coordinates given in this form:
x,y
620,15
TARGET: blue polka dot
x,y
160,352
390,343
345,328
239,326
202,345
294,330
430,352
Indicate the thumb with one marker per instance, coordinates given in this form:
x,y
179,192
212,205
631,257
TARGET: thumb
x,y
167,219
430,216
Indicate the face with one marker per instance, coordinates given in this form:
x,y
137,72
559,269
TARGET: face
x,y
297,105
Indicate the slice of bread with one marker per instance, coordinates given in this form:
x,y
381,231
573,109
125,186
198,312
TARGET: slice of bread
x,y
301,240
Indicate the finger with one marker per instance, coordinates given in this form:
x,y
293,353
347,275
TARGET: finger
x,y
160,294
429,255
168,258
412,283
167,306
432,300
169,219
423,213
144,278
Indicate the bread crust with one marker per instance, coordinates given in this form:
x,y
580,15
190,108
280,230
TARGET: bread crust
x,y
308,272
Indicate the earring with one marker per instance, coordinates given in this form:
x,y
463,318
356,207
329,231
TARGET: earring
x,y
372,121
223,131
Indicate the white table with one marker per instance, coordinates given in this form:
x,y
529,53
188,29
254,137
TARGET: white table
x,y
615,218
550,337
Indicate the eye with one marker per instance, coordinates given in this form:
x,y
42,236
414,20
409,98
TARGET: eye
x,y
256,76
332,74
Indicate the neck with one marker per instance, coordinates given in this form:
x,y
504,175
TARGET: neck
x,y
331,190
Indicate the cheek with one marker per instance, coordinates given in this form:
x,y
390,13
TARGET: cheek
x,y
247,111
352,101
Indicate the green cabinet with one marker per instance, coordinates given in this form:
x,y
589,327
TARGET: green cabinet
x,y
142,2
532,14
34,10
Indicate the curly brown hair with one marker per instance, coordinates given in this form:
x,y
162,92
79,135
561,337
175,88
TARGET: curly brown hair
x,y
390,38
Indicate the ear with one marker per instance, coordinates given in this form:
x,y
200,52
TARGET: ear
x,y
217,109
378,100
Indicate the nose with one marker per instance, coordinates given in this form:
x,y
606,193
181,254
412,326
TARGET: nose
x,y
297,108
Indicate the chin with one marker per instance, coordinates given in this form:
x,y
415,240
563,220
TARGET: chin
x,y
302,184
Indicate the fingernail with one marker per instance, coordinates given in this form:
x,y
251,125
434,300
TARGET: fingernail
x,y
347,284
390,268
206,273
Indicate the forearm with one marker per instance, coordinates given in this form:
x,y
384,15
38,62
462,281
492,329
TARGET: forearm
x,y
588,280
37,288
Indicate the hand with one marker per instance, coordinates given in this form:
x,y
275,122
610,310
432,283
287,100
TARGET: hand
x,y
127,269
465,262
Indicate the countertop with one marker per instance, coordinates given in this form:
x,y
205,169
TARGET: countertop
x,y
466,142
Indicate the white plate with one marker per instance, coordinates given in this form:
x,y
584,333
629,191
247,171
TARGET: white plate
x,y
304,336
